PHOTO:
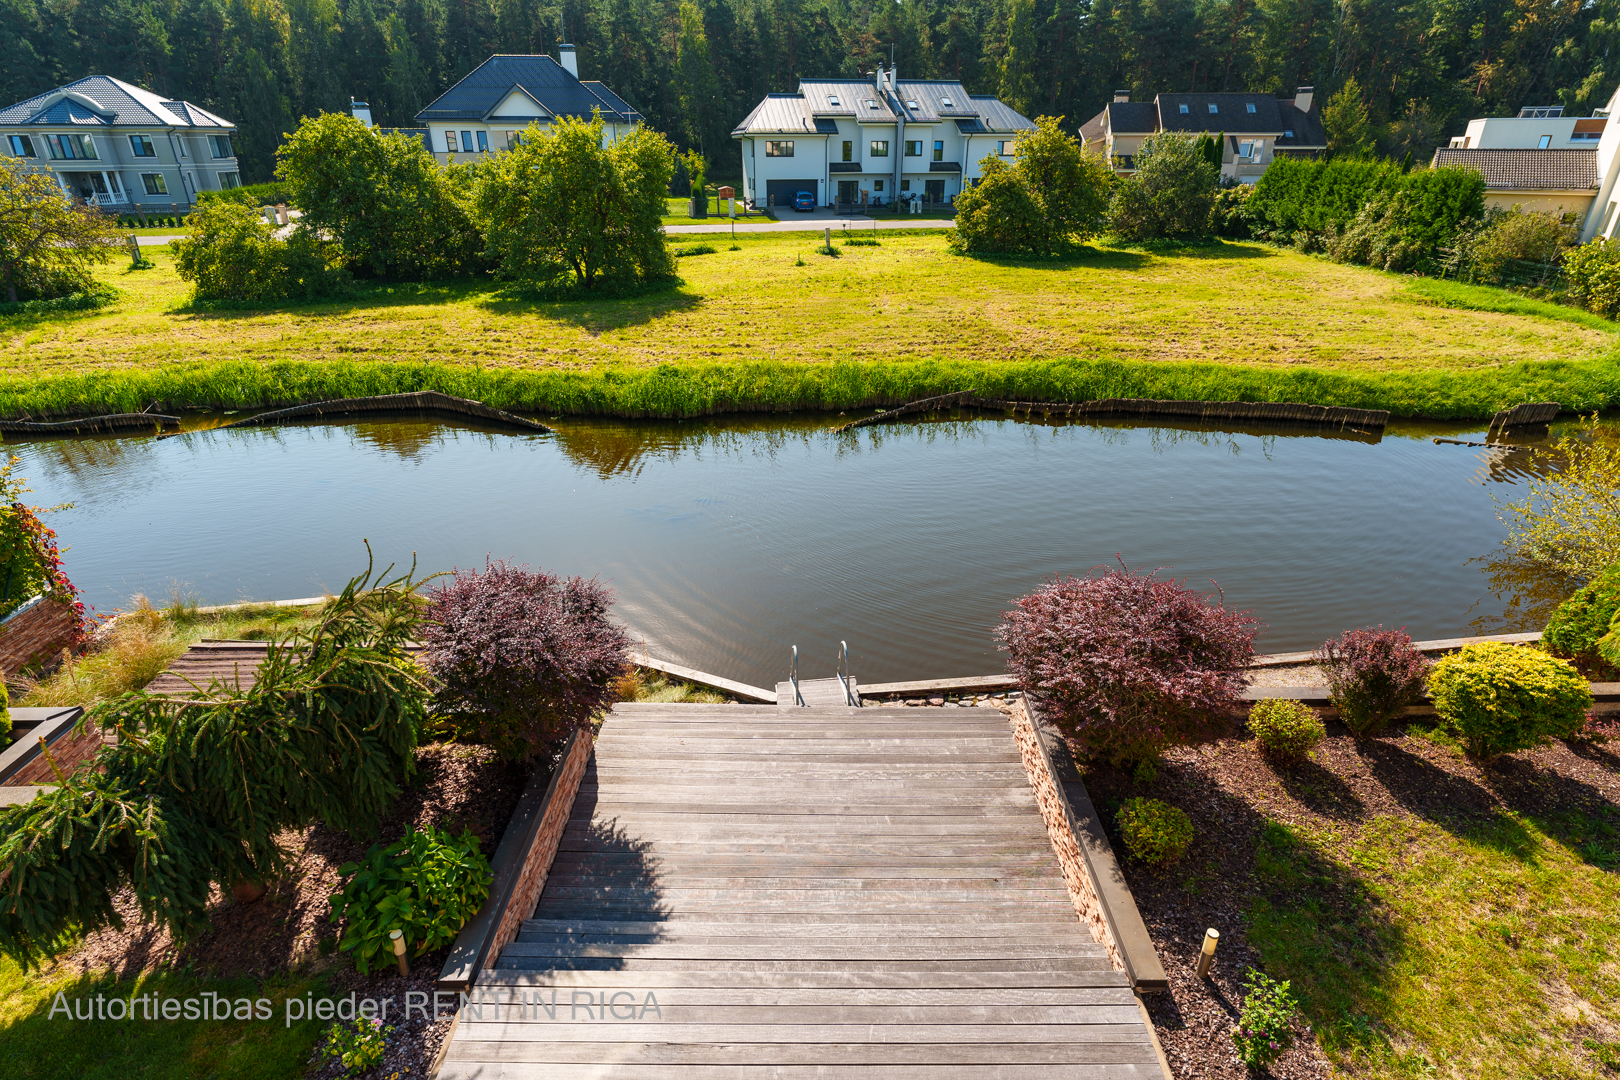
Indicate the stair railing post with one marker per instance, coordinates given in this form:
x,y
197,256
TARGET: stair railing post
x,y
793,677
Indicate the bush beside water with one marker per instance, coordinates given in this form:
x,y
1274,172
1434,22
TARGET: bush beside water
x,y
1372,675
1501,698
1584,620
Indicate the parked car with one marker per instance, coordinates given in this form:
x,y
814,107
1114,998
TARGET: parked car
x,y
804,202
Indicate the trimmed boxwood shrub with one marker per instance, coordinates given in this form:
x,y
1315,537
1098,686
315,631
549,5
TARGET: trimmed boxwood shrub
x,y
427,884
1127,664
521,657
1287,730
1372,675
1153,830
1586,618
1500,698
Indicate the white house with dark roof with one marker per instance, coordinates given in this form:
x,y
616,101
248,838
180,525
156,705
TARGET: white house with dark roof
x,y
1258,128
495,101
846,141
122,147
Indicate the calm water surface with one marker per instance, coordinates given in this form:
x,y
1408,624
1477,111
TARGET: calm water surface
x,y
728,541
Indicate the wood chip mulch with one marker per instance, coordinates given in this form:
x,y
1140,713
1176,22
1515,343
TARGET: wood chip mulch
x,y
455,788
1231,792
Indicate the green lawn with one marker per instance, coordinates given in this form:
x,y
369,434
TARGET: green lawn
x,y
676,212
774,324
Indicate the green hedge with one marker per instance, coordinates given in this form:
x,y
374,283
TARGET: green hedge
x,y
1295,194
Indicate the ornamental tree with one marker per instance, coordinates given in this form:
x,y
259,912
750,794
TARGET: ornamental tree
x,y
48,243
1171,193
1053,194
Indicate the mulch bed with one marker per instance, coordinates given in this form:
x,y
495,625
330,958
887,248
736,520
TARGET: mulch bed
x,y
455,788
1231,792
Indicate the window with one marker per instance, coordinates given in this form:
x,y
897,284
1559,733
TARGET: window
x,y
514,139
1246,150
778,147
880,147
450,146
229,180
466,142
1251,108
1544,142
871,103
141,146
1213,108
483,142
72,146
22,146
1288,133
1185,108
905,185
911,104
939,150
945,101
181,143
877,185
221,146
154,183
832,99
914,149
1004,147
849,150
1586,136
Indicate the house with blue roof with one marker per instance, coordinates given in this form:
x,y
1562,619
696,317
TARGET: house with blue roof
x,y
120,147
848,142
491,106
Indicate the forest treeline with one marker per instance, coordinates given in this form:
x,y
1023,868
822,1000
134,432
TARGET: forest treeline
x,y
695,67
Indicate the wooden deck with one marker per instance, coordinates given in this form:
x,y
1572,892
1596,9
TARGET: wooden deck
x,y
815,892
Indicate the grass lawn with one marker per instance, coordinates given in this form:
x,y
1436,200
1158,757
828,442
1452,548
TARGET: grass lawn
x,y
773,324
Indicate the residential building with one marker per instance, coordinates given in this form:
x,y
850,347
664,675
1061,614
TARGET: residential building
x,y
361,111
1564,182
491,106
1258,128
850,141
1537,127
121,147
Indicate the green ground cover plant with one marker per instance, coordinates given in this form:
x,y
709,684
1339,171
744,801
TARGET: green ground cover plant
x,y
427,884
1154,831
1112,321
1286,730
1266,1024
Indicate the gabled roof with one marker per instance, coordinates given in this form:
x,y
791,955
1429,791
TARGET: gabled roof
x,y
998,116
1231,113
821,103
1527,170
1132,117
855,98
1300,128
931,96
778,114
540,77
102,101
1094,129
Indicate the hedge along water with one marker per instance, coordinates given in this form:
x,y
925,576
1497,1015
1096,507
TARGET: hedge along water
x,y
728,540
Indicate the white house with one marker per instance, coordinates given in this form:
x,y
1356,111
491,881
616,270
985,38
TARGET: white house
x,y
1542,161
492,105
1259,128
122,147
842,140
1537,127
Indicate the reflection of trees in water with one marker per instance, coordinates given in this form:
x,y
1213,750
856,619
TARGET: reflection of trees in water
x,y
624,448
1526,593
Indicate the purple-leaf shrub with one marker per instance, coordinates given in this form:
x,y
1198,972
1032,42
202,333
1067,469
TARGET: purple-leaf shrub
x,y
1372,675
1127,664
521,658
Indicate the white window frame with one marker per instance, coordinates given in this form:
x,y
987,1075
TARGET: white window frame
x,y
213,146
136,142
773,147
154,180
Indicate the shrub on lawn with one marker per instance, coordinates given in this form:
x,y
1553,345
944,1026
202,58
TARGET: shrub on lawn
x,y
49,246
1053,194
1229,218
1265,1028
1592,276
1171,194
1500,698
1372,675
1585,619
427,884
1127,664
1286,730
1154,831
233,254
521,658
5,713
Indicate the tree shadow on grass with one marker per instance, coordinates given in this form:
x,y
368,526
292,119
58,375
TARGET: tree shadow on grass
x,y
1198,249
1320,790
595,314
1080,257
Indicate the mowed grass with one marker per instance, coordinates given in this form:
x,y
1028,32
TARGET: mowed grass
x,y
755,328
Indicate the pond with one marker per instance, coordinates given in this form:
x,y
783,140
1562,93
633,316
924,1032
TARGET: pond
x,y
728,540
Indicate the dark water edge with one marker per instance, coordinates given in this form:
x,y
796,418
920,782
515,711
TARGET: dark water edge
x,y
729,539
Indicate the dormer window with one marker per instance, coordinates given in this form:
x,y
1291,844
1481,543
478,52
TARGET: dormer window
x,y
1185,109
1214,108
1288,133
1251,108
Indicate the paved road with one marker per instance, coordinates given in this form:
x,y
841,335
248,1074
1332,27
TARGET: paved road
x,y
811,223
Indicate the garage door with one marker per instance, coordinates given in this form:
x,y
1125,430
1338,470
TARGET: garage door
x,y
782,191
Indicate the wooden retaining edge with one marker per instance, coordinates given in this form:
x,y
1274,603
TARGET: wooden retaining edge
x,y
921,405
50,724
429,402
90,425
1605,698
520,867
1437,645
1096,886
703,678
1526,415
1271,411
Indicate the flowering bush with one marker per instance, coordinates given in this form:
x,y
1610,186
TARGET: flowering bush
x,y
1286,730
1372,675
1502,698
1266,1024
521,657
1127,664
1154,831
427,884
30,564
358,1044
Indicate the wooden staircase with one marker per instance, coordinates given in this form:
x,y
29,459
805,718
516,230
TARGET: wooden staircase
x,y
750,892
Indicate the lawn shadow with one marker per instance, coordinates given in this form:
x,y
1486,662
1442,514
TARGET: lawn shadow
x,y
1319,789
1198,249
596,314
1077,258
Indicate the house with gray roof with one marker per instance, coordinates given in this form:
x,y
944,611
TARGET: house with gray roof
x,y
848,141
121,147
1258,128
493,103
1558,181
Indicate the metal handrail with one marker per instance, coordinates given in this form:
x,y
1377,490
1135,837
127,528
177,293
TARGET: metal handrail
x,y
843,675
793,677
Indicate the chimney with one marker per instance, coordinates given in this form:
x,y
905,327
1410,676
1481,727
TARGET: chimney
x,y
568,59
361,112
1122,96
893,70
1302,98
877,75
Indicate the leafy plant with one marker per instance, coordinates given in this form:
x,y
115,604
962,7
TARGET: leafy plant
x,y
1154,831
426,884
1053,194
196,793
1372,675
1592,276
30,563
1586,618
1126,664
1265,1028
233,254
1287,730
521,658
1171,194
1570,520
1500,698
5,713
695,249
358,1044
49,245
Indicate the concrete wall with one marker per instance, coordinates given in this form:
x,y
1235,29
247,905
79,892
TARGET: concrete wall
x,y
1563,202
